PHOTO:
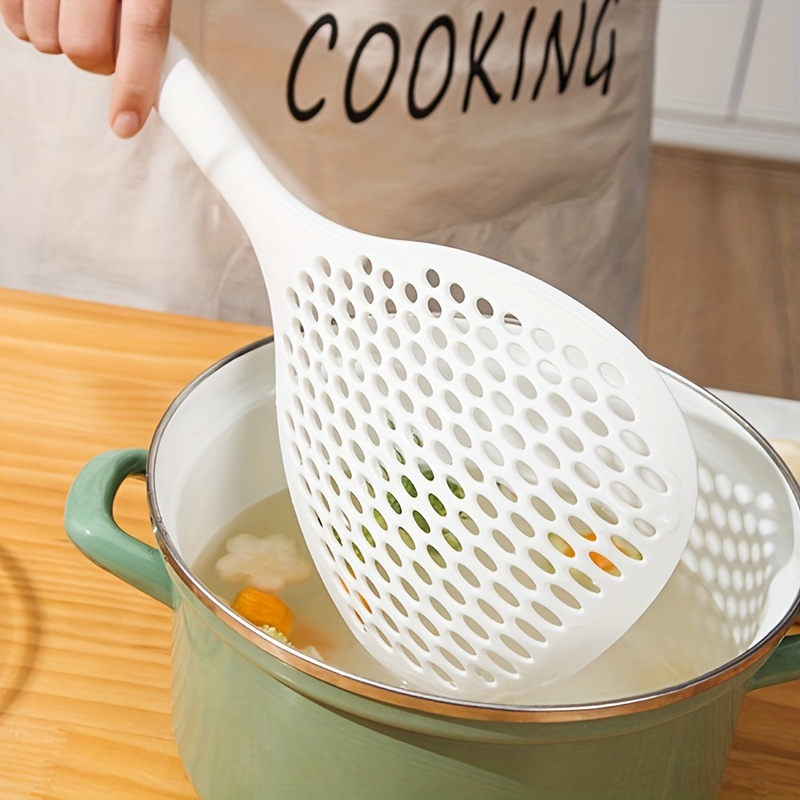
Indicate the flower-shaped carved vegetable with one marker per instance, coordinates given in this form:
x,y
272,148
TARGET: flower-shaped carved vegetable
x,y
269,564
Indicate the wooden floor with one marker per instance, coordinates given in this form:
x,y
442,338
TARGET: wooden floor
x,y
722,285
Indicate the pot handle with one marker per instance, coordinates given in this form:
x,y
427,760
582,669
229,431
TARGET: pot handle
x,y
782,666
89,521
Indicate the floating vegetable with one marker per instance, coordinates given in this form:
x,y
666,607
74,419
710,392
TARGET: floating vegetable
x,y
605,564
268,564
265,610
275,634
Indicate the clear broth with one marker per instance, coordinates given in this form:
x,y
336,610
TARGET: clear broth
x,y
684,633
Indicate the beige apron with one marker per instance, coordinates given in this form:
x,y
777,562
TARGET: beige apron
x,y
519,130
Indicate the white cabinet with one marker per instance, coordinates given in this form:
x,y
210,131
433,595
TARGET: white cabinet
x,y
772,87
728,76
697,50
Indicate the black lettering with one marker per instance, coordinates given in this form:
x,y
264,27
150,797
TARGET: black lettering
x,y
608,67
476,69
419,112
301,114
353,114
522,45
554,41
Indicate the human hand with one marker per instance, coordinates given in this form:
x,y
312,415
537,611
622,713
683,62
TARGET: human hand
x,y
125,37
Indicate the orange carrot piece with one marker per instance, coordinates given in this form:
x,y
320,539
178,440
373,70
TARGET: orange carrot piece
x,y
364,602
262,609
607,566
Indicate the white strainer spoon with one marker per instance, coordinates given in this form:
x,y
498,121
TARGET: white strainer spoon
x,y
494,483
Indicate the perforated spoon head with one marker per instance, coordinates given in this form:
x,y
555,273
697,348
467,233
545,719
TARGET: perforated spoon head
x,y
491,482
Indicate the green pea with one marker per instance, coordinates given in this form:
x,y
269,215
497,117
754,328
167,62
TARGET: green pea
x,y
380,519
393,503
436,557
451,539
422,523
455,488
438,505
368,536
408,486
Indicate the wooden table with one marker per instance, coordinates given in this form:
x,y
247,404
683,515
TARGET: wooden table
x,y
84,658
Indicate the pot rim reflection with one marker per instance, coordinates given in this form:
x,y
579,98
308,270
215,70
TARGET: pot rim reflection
x,y
446,706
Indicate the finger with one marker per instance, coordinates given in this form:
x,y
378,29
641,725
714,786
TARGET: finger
x,y
41,24
12,13
87,33
143,36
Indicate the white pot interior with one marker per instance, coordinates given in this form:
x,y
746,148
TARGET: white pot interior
x,y
217,453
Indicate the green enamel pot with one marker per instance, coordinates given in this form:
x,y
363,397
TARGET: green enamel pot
x,y
255,719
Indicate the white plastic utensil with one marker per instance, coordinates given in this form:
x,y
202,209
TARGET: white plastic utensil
x,y
494,483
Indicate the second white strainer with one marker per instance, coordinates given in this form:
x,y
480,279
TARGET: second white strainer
x,y
494,483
